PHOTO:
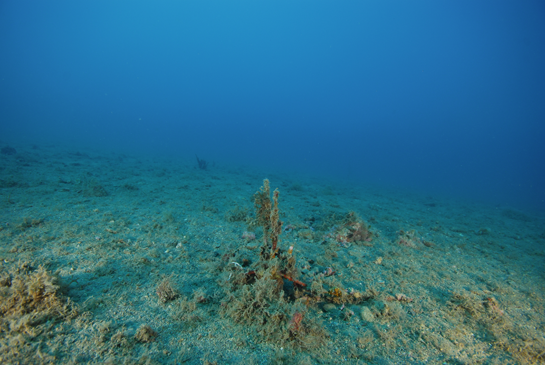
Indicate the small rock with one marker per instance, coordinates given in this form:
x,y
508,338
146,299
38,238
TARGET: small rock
x,y
483,232
329,307
8,150
367,315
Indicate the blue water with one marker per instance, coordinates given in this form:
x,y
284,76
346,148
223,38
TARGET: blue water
x,y
444,98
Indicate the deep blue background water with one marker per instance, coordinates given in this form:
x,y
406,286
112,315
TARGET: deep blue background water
x,y
443,97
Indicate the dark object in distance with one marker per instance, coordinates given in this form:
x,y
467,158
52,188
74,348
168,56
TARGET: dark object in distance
x,y
8,151
203,165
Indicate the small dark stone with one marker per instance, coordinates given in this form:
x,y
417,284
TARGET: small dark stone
x,y
8,151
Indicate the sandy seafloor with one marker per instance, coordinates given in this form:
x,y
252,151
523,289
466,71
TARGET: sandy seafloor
x,y
87,237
